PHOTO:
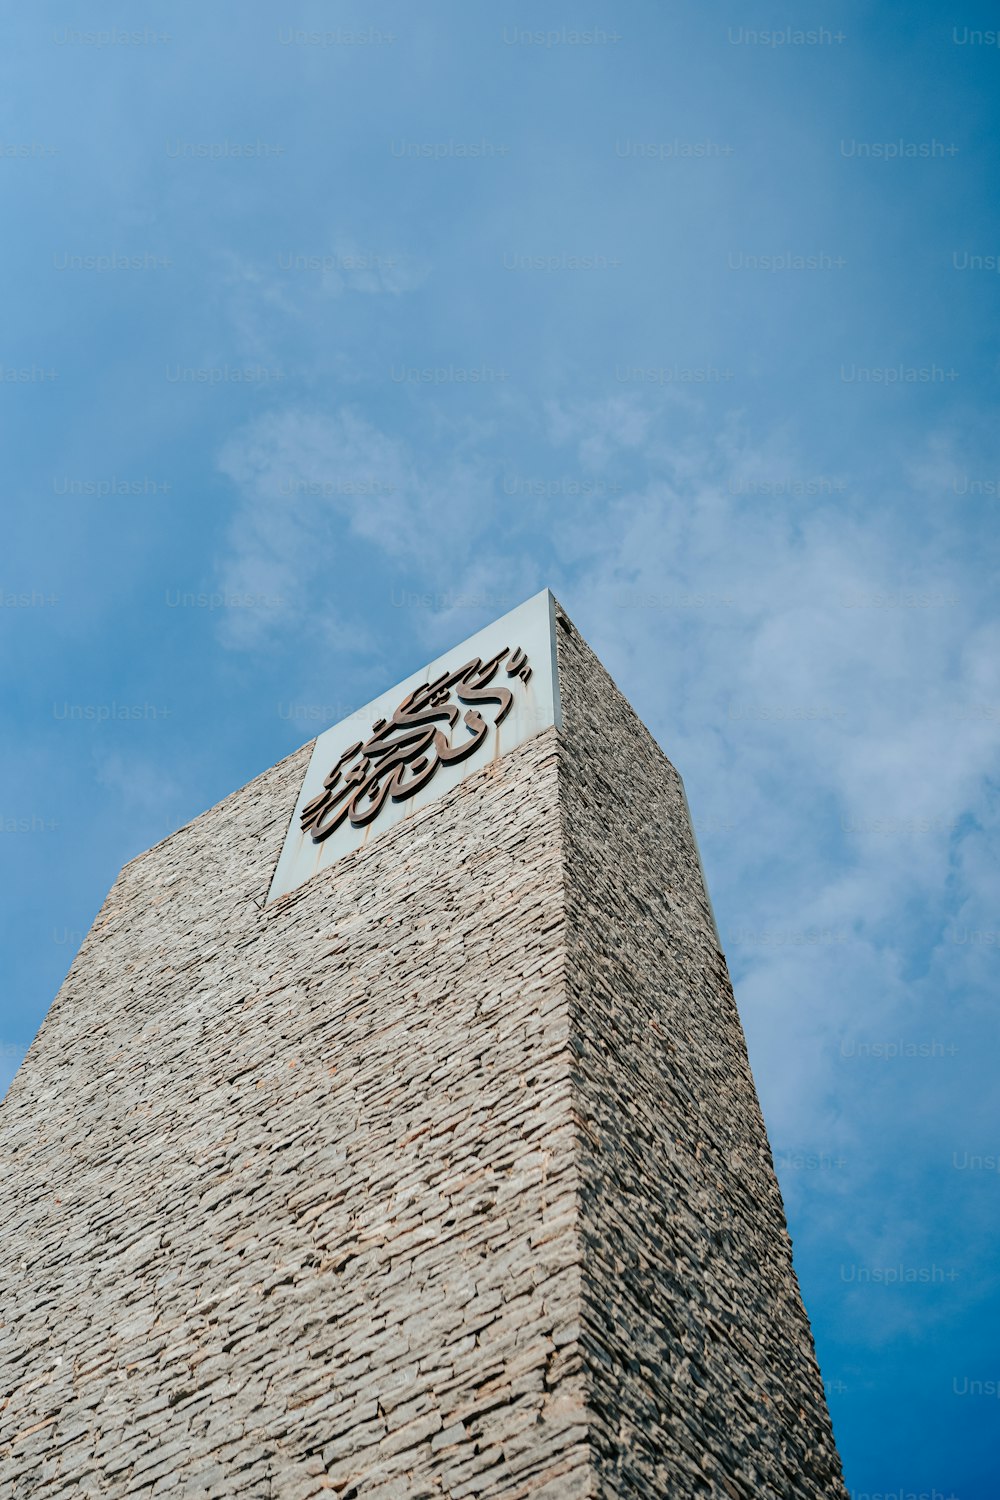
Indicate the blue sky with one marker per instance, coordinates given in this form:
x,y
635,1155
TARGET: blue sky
x,y
319,353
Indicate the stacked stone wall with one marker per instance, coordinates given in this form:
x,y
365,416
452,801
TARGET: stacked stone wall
x,y
442,1176
288,1202
702,1377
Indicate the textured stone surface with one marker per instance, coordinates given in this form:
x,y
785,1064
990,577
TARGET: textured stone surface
x,y
442,1176
702,1379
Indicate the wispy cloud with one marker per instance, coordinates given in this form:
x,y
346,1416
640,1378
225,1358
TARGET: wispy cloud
x,y
308,482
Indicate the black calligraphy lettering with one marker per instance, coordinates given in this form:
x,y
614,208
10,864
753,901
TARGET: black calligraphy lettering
x,y
402,753
518,666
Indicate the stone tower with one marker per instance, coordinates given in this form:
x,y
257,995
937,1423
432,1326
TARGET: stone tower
x,y
392,1136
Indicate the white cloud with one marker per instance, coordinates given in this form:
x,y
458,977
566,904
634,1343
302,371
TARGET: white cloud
x,y
310,483
138,784
268,303
598,427
848,823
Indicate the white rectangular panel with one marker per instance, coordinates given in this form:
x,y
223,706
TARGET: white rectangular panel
x,y
421,738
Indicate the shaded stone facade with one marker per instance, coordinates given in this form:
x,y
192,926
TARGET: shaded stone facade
x,y
701,1374
442,1176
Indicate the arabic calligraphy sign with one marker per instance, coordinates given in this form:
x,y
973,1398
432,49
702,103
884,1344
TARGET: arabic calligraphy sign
x,y
411,742
426,736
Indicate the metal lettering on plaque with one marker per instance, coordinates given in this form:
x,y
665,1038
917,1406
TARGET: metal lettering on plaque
x,y
426,736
